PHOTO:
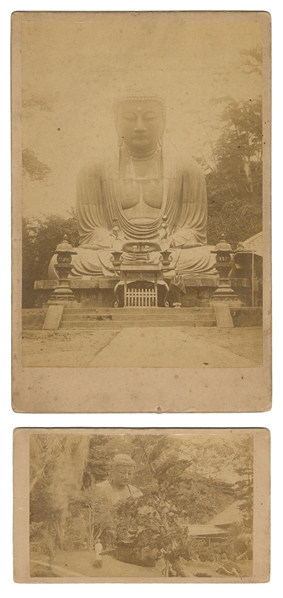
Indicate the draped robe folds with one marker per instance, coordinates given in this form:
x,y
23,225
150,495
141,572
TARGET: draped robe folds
x,y
101,192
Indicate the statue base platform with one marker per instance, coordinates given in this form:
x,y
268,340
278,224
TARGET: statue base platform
x,y
99,291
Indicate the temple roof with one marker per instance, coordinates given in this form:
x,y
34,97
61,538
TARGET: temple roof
x,y
205,530
254,244
230,515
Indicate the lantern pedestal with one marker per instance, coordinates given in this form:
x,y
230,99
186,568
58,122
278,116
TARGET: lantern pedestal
x,y
63,294
223,265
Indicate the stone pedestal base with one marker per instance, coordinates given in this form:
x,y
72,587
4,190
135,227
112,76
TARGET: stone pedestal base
x,y
61,295
226,295
53,317
232,301
69,301
99,292
222,314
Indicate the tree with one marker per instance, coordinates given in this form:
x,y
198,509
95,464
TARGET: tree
x,y
40,239
31,165
90,518
235,185
57,464
252,60
155,525
148,528
243,465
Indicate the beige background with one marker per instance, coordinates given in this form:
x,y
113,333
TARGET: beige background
x,y
261,542
126,389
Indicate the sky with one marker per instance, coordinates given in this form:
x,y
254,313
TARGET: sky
x,y
73,71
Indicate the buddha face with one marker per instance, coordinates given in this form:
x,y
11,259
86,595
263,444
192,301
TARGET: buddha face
x,y
140,125
122,475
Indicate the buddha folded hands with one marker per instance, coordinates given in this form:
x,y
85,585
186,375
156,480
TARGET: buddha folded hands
x,y
150,194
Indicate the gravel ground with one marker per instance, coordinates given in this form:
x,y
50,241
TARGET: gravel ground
x,y
80,563
79,348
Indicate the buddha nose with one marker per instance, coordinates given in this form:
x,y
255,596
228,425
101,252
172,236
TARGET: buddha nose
x,y
139,126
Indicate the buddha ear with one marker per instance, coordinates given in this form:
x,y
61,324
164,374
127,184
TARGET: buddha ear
x,y
160,140
119,133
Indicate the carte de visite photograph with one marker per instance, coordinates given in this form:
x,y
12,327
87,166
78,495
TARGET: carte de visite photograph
x,y
141,204
155,505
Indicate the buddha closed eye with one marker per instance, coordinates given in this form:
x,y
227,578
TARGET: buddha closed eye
x,y
150,115
132,116
129,116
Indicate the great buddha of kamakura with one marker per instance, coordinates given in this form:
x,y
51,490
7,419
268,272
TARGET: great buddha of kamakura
x,y
142,193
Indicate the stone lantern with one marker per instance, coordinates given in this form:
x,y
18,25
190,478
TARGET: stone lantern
x,y
223,265
63,292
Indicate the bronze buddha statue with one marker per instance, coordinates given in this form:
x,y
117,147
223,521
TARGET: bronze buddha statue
x,y
139,189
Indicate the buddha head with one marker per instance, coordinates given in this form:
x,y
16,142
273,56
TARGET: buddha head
x,y
140,123
122,470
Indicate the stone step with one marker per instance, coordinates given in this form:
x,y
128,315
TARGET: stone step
x,y
137,317
117,325
139,310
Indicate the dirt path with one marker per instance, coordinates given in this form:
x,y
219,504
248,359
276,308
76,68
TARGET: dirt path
x,y
80,564
144,347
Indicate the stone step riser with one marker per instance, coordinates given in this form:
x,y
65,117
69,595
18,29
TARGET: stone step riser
x,y
120,325
141,310
135,318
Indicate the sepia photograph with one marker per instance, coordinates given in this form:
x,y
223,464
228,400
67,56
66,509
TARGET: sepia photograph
x,y
143,183
157,505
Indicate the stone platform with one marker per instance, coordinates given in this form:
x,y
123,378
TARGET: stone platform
x,y
118,319
98,292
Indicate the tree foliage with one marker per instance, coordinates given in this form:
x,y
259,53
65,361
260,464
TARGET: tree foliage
x,y
243,465
147,528
56,468
232,160
252,60
33,167
234,186
40,239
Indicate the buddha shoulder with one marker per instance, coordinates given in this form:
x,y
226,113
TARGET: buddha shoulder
x,y
90,170
97,169
181,164
189,166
